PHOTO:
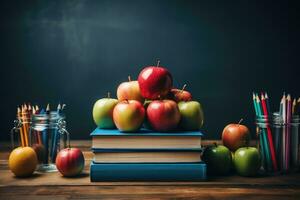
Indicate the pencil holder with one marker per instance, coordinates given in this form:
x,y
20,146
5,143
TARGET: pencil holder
x,y
287,142
278,143
48,136
262,126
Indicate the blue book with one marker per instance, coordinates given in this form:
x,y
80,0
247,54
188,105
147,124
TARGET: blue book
x,y
145,139
144,132
148,172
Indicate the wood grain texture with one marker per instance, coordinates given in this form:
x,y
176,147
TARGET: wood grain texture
x,y
53,185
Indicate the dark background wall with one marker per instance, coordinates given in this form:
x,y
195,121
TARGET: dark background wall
x,y
76,51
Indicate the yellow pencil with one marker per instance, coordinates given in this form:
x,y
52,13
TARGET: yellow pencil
x,y
21,128
294,106
25,124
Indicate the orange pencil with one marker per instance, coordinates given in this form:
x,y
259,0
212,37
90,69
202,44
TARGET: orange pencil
x,y
25,124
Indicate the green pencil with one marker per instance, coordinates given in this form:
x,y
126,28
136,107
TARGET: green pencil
x,y
264,137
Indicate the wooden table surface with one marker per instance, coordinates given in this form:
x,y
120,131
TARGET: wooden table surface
x,y
54,186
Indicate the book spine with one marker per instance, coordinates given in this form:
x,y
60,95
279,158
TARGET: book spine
x,y
148,172
115,150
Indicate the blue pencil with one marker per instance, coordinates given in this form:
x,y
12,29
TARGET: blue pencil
x,y
46,135
56,137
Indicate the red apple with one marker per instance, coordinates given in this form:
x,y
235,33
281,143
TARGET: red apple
x,y
129,115
70,162
129,91
163,115
180,94
155,82
235,136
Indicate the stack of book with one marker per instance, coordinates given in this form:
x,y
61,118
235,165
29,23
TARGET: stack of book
x,y
146,156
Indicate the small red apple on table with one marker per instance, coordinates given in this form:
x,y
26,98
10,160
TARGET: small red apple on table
x,y
129,91
235,136
155,82
70,162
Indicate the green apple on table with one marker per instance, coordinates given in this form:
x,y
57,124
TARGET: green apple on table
x,y
218,159
247,161
191,115
103,112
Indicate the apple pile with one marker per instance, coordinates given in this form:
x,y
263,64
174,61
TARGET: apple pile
x,y
235,153
150,100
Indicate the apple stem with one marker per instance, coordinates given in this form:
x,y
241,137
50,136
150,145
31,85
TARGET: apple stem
x,y
108,95
127,100
215,144
184,86
129,78
158,62
240,121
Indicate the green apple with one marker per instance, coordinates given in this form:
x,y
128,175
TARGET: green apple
x,y
191,115
247,161
103,112
218,159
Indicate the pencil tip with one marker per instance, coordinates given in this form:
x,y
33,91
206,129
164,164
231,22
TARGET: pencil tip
x,y
48,107
266,95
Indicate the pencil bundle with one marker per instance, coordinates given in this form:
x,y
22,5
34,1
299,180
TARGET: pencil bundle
x,y
24,115
262,110
278,141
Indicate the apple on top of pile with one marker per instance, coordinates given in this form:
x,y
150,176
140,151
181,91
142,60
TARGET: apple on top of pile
x,y
152,101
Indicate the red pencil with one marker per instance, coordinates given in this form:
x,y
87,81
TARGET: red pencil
x,y
273,156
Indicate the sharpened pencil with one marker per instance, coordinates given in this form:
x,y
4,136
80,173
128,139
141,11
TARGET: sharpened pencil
x,y
19,116
288,131
264,137
294,106
269,133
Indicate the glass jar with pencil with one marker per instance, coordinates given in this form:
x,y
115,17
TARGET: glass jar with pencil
x,y
278,134
44,131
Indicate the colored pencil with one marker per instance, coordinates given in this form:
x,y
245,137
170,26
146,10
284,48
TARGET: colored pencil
x,y
264,137
294,106
25,124
284,132
46,136
267,103
269,133
55,137
19,116
262,151
288,131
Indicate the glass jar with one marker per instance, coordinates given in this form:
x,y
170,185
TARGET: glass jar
x,y
263,124
278,142
20,132
48,136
